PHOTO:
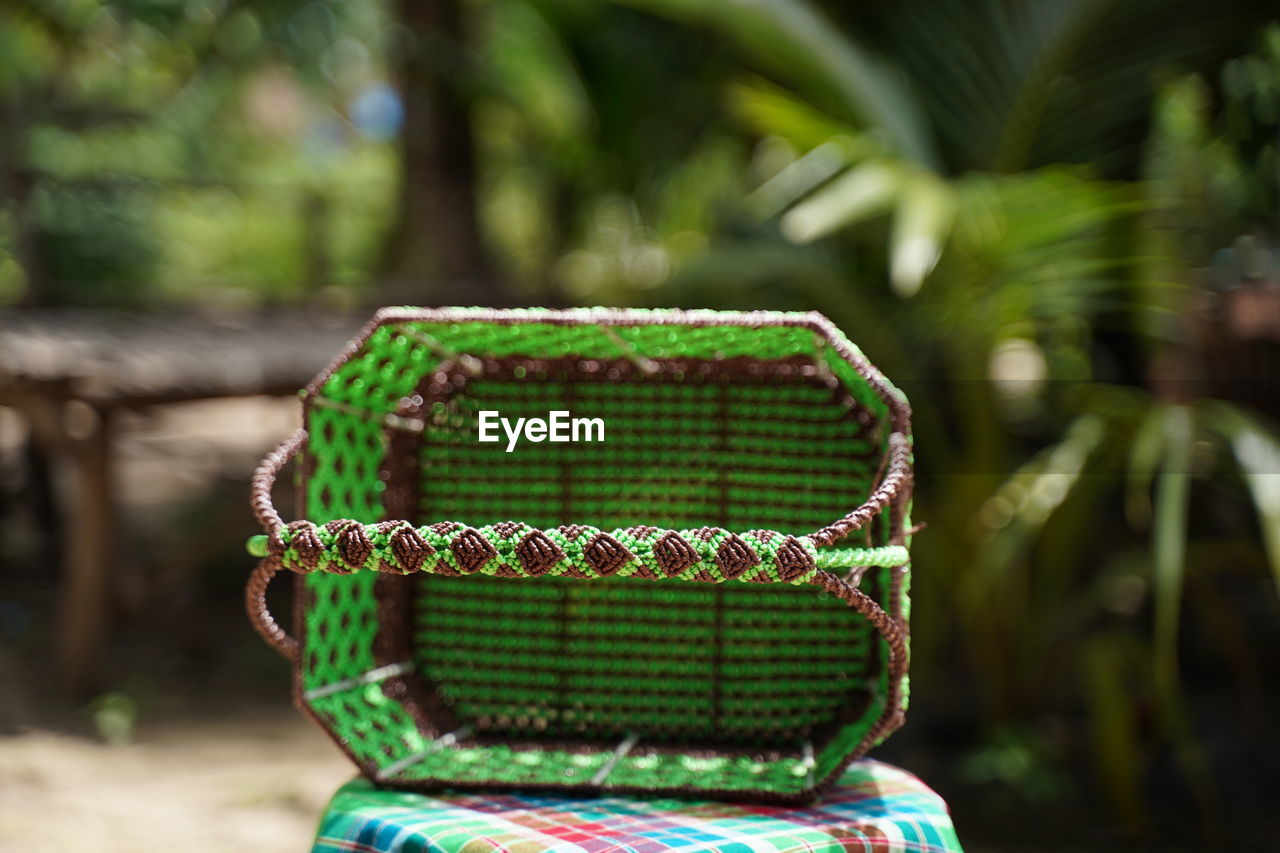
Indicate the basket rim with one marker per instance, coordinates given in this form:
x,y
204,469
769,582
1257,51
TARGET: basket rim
x,y
897,475
889,394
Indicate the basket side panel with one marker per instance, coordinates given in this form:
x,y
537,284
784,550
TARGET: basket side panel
x,y
340,619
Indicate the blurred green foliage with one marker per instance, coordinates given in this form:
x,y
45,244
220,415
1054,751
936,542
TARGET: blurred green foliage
x,y
1018,209
188,152
1041,216
115,717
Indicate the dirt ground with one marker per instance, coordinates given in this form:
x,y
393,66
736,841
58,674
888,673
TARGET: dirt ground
x,y
251,781
211,756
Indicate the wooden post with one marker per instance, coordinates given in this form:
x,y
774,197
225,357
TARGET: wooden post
x,y
85,597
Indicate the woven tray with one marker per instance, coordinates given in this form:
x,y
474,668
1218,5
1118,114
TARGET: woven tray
x,y
711,601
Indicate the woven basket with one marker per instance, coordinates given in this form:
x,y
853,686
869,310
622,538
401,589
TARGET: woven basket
x,y
712,601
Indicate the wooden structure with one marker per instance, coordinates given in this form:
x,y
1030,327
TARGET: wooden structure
x,y
69,372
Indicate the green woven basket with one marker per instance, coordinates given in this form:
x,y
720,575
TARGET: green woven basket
x,y
710,601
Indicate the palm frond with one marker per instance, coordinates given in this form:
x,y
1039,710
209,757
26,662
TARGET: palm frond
x,y
797,41
863,191
1169,534
1257,452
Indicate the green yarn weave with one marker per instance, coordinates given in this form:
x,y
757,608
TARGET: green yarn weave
x,y
766,687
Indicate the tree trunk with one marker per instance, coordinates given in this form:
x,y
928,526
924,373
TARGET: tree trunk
x,y
435,254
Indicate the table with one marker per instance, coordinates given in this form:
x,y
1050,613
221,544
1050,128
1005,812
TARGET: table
x,y
876,807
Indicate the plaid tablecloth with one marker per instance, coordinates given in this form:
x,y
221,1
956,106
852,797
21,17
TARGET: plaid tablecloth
x,y
877,808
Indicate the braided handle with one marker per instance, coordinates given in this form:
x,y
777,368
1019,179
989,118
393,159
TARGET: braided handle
x,y
892,628
896,478
264,478
255,603
255,590
512,549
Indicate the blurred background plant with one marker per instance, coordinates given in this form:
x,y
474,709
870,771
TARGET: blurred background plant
x,y
1052,222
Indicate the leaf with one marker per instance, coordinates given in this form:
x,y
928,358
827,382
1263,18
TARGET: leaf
x,y
797,179
801,43
1187,748
1068,25
863,191
1144,458
1257,452
1006,84
768,109
1019,509
1173,491
1108,694
921,225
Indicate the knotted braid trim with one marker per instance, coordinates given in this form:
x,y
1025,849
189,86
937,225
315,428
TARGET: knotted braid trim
x,y
513,549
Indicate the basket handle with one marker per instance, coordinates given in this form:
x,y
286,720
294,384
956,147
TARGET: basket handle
x,y
255,590
352,550
896,478
255,603
893,629
264,478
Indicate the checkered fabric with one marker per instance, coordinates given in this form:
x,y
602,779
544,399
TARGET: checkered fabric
x,y
876,808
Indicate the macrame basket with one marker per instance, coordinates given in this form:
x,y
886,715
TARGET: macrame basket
x,y
712,601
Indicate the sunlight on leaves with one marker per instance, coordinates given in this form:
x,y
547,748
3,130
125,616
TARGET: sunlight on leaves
x,y
1257,452
863,191
920,227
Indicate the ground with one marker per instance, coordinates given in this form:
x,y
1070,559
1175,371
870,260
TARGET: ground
x,y
251,780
